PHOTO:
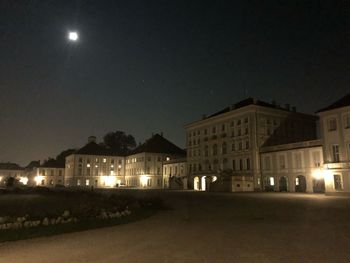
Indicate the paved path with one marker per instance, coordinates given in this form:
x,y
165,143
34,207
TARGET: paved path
x,y
207,227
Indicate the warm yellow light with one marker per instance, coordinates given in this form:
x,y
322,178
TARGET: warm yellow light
x,y
318,174
143,180
23,180
109,181
38,179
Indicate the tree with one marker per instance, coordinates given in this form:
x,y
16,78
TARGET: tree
x,y
61,158
119,142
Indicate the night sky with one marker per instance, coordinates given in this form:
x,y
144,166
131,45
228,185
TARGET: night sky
x,y
152,66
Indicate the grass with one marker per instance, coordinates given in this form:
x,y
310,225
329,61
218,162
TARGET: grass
x,y
85,205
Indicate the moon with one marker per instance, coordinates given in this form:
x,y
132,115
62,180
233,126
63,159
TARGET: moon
x,y
73,36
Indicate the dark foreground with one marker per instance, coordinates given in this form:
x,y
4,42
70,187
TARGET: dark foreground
x,y
208,227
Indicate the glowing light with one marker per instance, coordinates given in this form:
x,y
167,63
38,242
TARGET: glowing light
x,y
88,165
73,36
272,181
119,166
214,178
23,180
38,179
143,180
109,181
318,174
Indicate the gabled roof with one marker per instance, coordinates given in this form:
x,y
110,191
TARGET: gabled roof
x,y
158,144
92,148
52,163
10,166
343,102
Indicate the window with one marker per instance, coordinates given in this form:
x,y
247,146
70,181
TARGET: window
x,y
335,153
247,145
272,181
297,160
282,162
215,149
214,129
205,131
104,160
224,148
80,160
248,164
316,159
78,182
223,127
347,121
59,172
240,145
240,164
245,120
297,181
80,169
332,124
233,147
52,172
51,182
338,185
234,165
206,150
87,182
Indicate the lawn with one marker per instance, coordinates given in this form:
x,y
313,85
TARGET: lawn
x,y
89,209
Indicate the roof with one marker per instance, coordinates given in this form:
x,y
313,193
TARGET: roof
x,y
92,148
10,166
343,102
33,164
158,144
52,163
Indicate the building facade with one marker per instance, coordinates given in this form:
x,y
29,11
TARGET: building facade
x,y
144,166
175,174
226,145
94,166
13,170
335,134
294,167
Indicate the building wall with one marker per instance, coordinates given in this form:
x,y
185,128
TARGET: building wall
x,y
174,169
287,167
5,173
335,132
146,169
231,141
95,170
47,176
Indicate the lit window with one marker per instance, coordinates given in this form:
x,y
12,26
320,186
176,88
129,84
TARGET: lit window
x,y
335,152
87,182
104,160
297,181
168,158
272,181
88,165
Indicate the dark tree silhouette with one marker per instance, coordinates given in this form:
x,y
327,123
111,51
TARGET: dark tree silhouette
x,y
119,142
61,158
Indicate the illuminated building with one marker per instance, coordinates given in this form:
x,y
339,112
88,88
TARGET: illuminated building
x,y
225,147
335,134
144,166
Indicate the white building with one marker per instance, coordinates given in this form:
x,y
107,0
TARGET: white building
x,y
225,147
50,174
175,174
94,166
335,134
144,166
294,167
12,170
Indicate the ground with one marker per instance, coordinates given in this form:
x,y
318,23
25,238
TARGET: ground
x,y
209,227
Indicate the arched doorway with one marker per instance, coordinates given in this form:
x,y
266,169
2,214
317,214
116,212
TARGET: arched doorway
x,y
203,183
269,184
283,184
196,185
300,184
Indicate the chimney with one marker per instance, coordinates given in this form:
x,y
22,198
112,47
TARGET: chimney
x,y
92,139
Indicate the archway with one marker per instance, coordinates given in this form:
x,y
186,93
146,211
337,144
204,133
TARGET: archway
x,y
203,183
283,184
196,183
269,184
300,184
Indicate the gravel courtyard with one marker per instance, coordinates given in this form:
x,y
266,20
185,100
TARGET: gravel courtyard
x,y
208,227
